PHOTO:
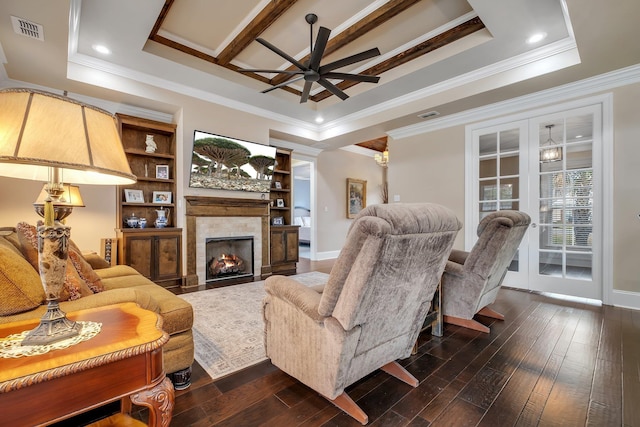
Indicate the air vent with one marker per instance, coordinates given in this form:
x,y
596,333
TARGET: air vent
x,y
428,114
28,28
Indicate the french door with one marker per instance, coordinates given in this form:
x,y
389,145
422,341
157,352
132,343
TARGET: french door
x,y
545,167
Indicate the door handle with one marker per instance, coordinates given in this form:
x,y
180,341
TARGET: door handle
x,y
534,225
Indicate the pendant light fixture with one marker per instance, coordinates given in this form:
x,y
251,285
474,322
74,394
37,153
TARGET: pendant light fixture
x,y
550,152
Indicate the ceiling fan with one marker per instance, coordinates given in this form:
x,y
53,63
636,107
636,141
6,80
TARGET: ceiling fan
x,y
311,71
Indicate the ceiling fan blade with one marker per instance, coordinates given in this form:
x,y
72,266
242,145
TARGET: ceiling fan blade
x,y
318,49
354,77
332,88
281,53
250,70
283,84
306,91
349,60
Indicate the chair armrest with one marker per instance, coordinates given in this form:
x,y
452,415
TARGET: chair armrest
x,y
458,256
454,269
296,294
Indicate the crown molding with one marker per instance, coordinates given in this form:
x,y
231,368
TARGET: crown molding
x,y
298,148
359,150
111,107
603,82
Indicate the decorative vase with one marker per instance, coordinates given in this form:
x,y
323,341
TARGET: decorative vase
x,y
162,220
53,252
151,144
142,222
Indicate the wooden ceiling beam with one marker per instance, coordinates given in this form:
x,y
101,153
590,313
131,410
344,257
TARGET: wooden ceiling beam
x,y
261,22
360,28
443,39
377,144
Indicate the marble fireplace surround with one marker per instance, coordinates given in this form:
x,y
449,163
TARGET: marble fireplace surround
x,y
205,207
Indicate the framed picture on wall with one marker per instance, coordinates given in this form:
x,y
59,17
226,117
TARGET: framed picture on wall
x,y
356,196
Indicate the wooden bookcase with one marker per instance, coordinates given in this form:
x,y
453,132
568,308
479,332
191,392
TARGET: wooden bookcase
x,y
154,252
283,235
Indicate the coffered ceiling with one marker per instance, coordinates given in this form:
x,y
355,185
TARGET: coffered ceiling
x,y
436,55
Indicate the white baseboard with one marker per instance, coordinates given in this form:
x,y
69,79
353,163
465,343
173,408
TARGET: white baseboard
x,y
321,256
626,299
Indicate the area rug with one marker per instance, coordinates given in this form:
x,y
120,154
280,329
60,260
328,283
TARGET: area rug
x,y
228,329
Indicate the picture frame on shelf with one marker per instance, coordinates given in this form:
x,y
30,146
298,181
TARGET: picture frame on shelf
x,y
162,197
162,171
277,185
277,220
356,196
133,196
280,203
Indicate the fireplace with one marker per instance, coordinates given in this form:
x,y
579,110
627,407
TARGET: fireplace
x,y
217,217
228,258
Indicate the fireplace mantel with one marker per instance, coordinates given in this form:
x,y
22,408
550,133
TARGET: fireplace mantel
x,y
199,206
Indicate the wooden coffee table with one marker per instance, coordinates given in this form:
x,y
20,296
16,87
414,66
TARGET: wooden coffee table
x,y
124,361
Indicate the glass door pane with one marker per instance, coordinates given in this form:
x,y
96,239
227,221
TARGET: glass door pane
x,y
499,174
566,198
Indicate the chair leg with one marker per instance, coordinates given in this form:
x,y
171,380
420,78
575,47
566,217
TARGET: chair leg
x,y
394,369
347,404
491,313
466,323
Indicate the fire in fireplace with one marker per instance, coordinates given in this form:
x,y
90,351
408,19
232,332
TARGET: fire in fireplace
x,y
229,258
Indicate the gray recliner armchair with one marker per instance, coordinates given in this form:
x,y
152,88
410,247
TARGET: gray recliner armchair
x,y
471,280
372,307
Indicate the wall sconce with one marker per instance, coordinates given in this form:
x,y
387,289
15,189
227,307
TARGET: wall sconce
x,y
382,159
550,151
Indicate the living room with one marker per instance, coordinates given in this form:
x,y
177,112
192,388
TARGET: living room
x,y
428,159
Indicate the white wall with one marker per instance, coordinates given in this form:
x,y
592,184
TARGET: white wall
x,y
430,168
334,167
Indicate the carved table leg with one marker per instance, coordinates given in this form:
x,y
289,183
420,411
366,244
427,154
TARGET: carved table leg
x,y
159,400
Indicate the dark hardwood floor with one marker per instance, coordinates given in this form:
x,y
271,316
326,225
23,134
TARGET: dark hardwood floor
x,y
551,362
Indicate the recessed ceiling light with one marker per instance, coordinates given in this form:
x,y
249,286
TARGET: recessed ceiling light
x,y
319,119
535,38
101,49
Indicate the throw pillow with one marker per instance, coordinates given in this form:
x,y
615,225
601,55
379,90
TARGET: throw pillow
x,y
74,286
20,286
84,269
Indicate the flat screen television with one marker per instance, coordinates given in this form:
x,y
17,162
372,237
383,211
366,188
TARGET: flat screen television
x,y
224,163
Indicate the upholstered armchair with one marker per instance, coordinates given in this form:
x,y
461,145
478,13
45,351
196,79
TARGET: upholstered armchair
x,y
372,307
471,280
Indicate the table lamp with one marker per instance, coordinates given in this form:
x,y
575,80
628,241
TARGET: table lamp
x,y
69,199
52,138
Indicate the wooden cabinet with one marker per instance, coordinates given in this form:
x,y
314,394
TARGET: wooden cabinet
x,y
284,249
283,235
154,252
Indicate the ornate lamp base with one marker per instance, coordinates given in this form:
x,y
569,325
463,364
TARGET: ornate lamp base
x,y
54,326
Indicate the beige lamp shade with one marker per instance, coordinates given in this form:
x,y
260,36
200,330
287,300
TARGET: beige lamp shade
x,y
62,208
70,197
41,130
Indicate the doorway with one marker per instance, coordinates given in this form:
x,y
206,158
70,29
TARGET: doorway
x,y
302,205
550,167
